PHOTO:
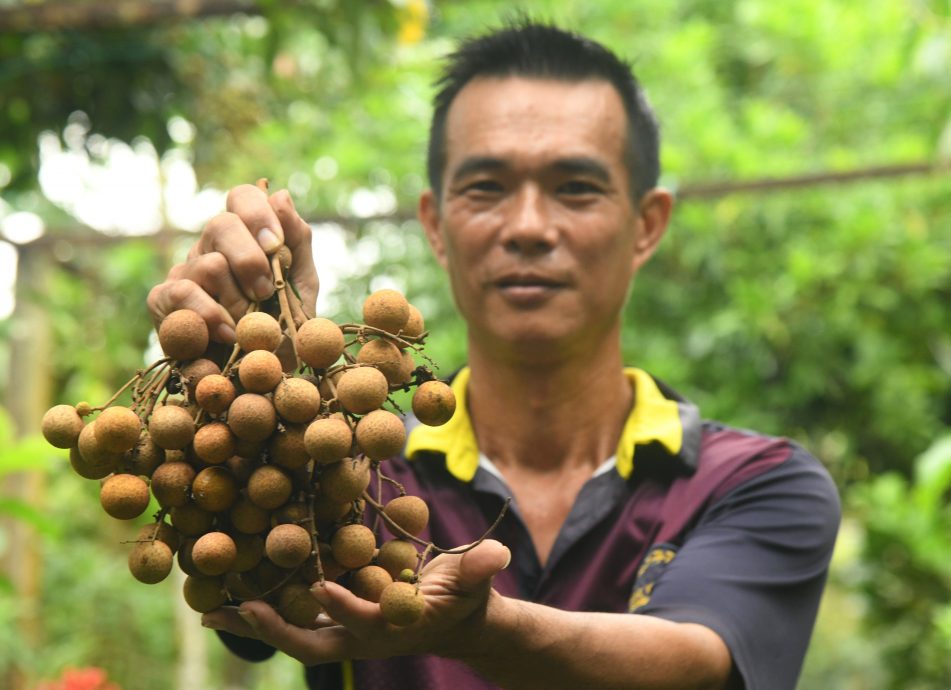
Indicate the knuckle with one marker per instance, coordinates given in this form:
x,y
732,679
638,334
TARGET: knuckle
x,y
222,222
178,291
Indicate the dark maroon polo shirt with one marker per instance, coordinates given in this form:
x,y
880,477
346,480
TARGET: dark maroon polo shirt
x,y
697,523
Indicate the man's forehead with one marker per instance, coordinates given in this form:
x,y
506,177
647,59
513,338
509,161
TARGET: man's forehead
x,y
536,116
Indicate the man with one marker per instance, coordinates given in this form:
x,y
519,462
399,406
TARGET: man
x,y
644,549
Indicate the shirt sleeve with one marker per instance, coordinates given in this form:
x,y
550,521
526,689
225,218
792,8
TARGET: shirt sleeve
x,y
754,568
247,648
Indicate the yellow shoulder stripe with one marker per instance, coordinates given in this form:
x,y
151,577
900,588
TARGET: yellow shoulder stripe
x,y
652,418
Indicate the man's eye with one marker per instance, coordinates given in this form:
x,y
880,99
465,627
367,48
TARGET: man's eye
x,y
484,186
578,188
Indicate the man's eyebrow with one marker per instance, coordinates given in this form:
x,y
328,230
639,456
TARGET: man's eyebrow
x,y
583,165
476,164
574,165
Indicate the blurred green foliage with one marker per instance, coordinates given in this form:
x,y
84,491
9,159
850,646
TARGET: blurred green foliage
x,y
819,313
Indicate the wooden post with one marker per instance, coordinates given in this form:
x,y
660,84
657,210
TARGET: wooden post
x,y
27,398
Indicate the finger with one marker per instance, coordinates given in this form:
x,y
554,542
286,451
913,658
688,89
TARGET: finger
x,y
227,618
307,646
480,564
299,239
212,274
227,234
171,295
251,204
357,615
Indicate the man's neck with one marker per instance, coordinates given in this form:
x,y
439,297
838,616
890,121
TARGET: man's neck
x,y
566,415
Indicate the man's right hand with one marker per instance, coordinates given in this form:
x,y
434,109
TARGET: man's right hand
x,y
229,267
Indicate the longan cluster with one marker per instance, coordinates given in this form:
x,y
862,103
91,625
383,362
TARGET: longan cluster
x,y
262,466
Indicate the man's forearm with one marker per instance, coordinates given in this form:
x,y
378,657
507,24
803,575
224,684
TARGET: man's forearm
x,y
523,645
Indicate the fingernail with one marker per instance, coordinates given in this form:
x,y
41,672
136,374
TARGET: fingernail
x,y
204,621
263,288
249,618
319,592
225,333
268,240
507,561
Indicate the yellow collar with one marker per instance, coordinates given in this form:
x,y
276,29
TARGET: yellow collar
x,y
653,418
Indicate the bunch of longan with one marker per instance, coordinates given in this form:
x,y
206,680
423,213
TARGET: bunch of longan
x,y
262,465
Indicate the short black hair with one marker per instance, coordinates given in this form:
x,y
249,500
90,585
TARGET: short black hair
x,y
531,49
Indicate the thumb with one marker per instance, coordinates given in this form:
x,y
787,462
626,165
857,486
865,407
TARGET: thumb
x,y
480,564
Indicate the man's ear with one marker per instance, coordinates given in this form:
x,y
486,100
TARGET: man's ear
x,y
428,214
655,209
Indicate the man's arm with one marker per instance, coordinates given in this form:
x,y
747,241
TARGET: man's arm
x,y
514,643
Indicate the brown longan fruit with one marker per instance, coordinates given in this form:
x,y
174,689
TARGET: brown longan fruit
x,y
288,545
242,467
415,326
214,393
145,458
190,520
88,459
286,448
171,427
252,417
362,389
85,470
319,342
250,551
124,496
196,370
369,582
61,426
330,568
260,371
165,533
387,310
183,334
214,443
297,400
353,546
214,553
298,606
248,518
290,513
381,434
269,487
258,331
386,357
95,456
434,403
214,489
397,555
151,562
326,510
402,603
171,482
345,480
409,512
328,440
117,429
204,594
185,562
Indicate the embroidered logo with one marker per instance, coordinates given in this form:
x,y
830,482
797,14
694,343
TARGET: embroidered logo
x,y
652,567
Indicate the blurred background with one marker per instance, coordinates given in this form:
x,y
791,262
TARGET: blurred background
x,y
804,290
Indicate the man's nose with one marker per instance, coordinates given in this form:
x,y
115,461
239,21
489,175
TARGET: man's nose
x,y
528,228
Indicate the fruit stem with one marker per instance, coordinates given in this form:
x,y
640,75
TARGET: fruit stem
x,y
125,386
286,315
314,540
152,394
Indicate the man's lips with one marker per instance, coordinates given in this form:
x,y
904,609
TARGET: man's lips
x,y
528,280
528,289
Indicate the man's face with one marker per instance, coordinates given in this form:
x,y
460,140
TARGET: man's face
x,y
536,226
